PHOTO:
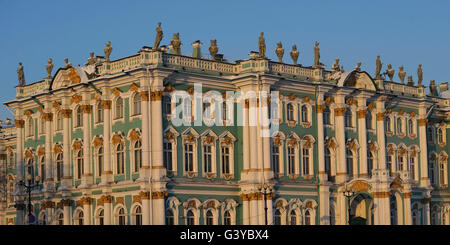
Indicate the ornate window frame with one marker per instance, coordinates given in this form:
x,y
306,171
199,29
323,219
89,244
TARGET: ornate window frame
x,y
30,128
443,169
208,139
293,141
190,136
278,141
229,205
173,204
117,215
226,139
134,106
115,109
171,136
99,108
307,144
413,154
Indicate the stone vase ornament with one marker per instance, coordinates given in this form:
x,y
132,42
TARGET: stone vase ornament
x,y
401,74
49,68
213,49
294,54
390,72
335,66
279,51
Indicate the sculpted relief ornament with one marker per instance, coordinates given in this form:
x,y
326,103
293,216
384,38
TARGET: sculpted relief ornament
x,y
159,36
279,51
294,54
21,75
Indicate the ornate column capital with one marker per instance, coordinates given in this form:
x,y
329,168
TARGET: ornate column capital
x,y
48,117
339,112
362,113
157,95
145,195
159,194
106,104
320,108
380,116
144,95
86,109
67,113
423,121
19,123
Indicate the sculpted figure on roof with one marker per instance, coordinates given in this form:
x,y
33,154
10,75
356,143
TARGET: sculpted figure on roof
x,y
262,46
402,74
419,75
335,66
159,36
294,54
108,50
213,49
176,43
316,55
21,75
378,69
279,51
49,68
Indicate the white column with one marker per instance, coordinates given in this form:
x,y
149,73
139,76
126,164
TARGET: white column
x,y
87,175
381,135
324,207
253,139
362,138
407,208
323,177
48,148
382,208
341,209
67,211
20,205
146,208
265,134
245,209
107,175
424,180
67,179
269,210
261,210
144,171
339,111
87,210
253,208
158,214
426,211
108,210
245,143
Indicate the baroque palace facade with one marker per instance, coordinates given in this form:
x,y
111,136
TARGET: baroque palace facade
x,y
104,142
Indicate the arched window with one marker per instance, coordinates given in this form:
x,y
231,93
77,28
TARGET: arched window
x,y
328,162
43,219
399,126
42,167
292,218
137,104
291,159
209,218
100,160
99,112
290,112
227,218
137,155
59,166
121,216
138,216
79,218
189,157
276,159
79,117
277,217
326,116
410,127
170,219
168,155
305,114
30,127
190,218
308,217
119,108
59,121
120,159
440,136
80,164
388,124
101,217
369,162
306,161
60,218
207,158
226,155
348,118
349,162
369,120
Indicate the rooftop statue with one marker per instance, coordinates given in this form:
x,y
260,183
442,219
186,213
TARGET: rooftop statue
x,y
20,75
213,49
49,68
108,50
390,72
176,43
279,51
433,88
419,75
378,69
358,66
294,54
68,64
410,81
342,68
159,36
91,60
335,66
262,46
316,55
402,74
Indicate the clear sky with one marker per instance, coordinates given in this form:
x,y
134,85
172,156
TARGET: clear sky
x,y
403,32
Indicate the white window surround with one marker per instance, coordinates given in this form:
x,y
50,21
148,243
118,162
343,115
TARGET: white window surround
x,y
114,158
98,106
115,117
173,134
190,136
132,98
173,204
117,215
227,139
294,120
133,156
294,141
209,135
307,143
230,206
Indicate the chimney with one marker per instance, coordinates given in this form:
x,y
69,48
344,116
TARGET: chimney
x,y
197,52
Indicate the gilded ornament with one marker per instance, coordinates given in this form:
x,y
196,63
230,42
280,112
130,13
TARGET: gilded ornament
x,y
279,51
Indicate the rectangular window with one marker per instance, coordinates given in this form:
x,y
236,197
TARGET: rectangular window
x,y
168,156
189,157
412,166
291,159
226,159
305,161
207,158
276,159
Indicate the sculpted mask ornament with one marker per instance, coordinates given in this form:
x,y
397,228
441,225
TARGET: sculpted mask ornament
x,y
390,72
176,44
20,75
402,74
294,54
213,49
49,68
419,75
279,51
262,46
159,36
108,50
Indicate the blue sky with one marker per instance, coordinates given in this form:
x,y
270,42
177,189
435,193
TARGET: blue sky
x,y
404,33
